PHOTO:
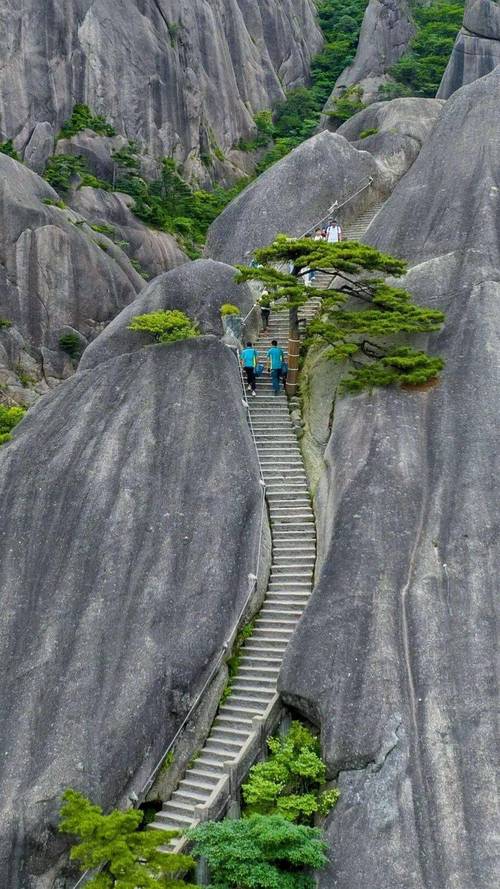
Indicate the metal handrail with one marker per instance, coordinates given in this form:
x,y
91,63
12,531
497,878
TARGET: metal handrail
x,y
337,206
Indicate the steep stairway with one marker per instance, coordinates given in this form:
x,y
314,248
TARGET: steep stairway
x,y
353,231
254,693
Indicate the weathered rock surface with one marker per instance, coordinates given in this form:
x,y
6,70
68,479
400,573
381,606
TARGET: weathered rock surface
x,y
180,78
395,656
477,48
199,289
403,126
385,34
155,251
96,151
129,526
293,195
54,270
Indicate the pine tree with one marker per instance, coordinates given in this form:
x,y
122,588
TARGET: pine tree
x,y
359,310
128,857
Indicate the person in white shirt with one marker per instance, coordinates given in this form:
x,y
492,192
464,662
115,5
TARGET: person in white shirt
x,y
334,232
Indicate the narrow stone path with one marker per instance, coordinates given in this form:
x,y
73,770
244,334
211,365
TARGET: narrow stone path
x,y
254,693
234,736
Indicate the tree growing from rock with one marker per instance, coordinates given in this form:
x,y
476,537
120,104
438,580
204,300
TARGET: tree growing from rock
x,y
125,856
360,310
260,852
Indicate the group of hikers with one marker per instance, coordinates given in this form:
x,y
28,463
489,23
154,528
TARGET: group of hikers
x,y
277,365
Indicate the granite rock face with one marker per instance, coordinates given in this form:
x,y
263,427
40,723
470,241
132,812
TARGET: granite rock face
x,y
293,195
402,125
55,270
155,251
199,288
183,79
385,34
477,48
395,655
129,526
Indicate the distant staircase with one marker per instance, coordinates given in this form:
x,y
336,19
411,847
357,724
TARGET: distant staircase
x,y
353,231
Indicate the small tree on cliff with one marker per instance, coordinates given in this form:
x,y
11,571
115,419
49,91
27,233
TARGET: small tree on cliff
x,y
359,310
128,858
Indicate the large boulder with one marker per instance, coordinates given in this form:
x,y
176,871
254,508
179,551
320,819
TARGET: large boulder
x,y
128,539
477,48
199,289
155,251
127,58
386,31
395,656
292,196
55,270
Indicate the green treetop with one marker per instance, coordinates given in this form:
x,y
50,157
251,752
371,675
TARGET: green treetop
x,y
128,857
359,312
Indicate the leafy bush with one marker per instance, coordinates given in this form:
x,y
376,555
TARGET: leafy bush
x,y
62,168
137,265
371,131
71,344
229,309
103,229
83,118
349,103
165,326
8,148
421,68
52,203
4,323
259,853
129,857
288,783
9,418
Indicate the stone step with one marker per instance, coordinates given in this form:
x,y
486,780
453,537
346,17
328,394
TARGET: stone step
x,y
250,668
243,723
237,710
168,820
222,745
191,795
251,696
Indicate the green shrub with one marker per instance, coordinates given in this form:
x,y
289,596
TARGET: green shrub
x,y
61,169
259,853
4,323
421,68
52,203
9,418
165,326
102,229
83,118
126,158
229,309
71,344
348,104
372,131
129,857
288,782
137,266
8,149
24,377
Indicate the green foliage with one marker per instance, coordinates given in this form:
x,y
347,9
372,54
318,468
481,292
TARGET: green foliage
x,y
103,229
71,344
52,203
82,118
165,326
167,762
137,266
297,117
261,852
421,68
91,181
24,378
129,857
233,661
347,104
265,133
9,417
126,159
61,169
358,309
8,149
229,309
4,323
288,782
371,131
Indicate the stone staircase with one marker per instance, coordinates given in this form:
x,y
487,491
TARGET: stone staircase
x,y
354,231
242,721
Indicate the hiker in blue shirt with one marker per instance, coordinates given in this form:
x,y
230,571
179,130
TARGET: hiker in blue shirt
x,y
249,357
275,357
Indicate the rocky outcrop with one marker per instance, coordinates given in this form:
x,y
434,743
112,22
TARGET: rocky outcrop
x,y
385,34
130,528
183,79
55,271
395,654
155,251
399,129
199,289
293,195
477,49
